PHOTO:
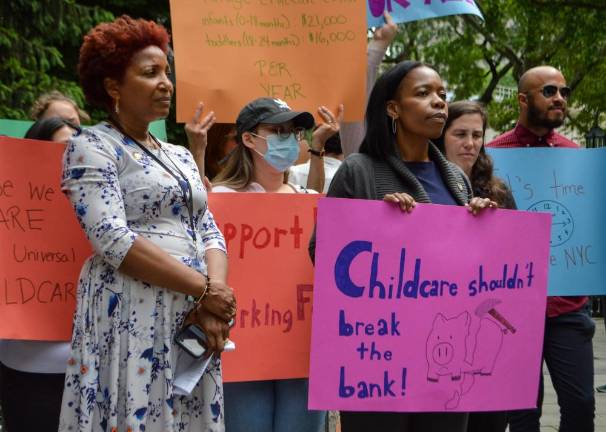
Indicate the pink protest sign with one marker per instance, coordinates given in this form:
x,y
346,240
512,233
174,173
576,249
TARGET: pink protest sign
x,y
436,310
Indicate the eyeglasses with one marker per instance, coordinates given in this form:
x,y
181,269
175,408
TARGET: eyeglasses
x,y
284,132
550,91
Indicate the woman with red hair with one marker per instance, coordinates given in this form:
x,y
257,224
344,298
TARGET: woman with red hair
x,y
159,259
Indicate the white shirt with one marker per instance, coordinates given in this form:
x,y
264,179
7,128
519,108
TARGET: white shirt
x,y
298,173
35,356
256,187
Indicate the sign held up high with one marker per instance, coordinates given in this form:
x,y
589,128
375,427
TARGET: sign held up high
x,y
414,10
568,184
306,53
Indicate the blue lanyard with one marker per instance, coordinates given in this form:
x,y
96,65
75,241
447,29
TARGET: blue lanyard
x,y
182,181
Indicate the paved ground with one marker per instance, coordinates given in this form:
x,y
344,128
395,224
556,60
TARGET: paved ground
x,y
551,415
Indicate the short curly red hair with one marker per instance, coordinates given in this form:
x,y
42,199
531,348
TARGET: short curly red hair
x,y
107,50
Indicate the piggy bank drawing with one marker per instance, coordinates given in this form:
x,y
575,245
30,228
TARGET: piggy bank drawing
x,y
462,349
446,347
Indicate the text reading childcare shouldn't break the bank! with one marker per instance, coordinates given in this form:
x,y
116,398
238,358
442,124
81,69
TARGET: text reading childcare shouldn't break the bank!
x,y
422,312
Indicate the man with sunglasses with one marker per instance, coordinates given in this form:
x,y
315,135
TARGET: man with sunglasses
x,y
567,348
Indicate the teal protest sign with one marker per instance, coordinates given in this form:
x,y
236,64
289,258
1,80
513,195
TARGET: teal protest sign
x,y
569,184
414,10
18,128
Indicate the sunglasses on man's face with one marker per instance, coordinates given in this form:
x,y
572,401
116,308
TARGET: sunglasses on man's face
x,y
550,91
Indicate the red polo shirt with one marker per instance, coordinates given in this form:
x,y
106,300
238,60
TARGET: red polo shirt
x,y
522,137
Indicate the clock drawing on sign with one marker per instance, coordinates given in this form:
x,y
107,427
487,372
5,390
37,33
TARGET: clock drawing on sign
x,y
562,224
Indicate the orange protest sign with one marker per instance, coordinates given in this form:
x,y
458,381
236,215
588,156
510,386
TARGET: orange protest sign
x,y
271,273
42,249
305,52
41,244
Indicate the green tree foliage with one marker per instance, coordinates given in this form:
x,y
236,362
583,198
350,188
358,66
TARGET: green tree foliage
x,y
475,56
39,41
39,47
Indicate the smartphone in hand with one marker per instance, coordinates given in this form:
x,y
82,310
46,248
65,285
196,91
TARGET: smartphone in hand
x,y
192,340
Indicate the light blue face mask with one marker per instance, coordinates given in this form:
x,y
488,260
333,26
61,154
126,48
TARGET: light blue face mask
x,y
281,154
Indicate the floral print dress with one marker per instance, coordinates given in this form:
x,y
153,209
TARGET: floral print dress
x,y
123,356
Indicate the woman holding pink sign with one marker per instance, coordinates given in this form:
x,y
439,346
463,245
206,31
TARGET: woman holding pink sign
x,y
399,164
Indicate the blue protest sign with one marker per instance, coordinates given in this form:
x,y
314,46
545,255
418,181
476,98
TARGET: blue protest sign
x,y
414,10
569,184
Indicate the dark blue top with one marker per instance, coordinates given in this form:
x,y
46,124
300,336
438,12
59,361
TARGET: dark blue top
x,y
429,176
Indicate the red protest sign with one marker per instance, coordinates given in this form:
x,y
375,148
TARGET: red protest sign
x,y
271,273
41,244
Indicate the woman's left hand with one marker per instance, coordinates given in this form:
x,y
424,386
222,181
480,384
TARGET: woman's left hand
x,y
476,205
197,131
220,301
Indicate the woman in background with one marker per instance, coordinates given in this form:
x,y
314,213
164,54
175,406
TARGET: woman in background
x,y
269,134
462,142
52,129
56,104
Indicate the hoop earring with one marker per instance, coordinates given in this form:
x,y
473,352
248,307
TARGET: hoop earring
x,y
393,125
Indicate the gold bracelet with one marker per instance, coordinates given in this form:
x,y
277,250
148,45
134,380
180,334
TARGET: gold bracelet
x,y
204,292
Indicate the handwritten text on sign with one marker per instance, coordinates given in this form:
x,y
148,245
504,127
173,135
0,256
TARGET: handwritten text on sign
x,y
568,184
413,10
267,236
41,245
228,53
441,311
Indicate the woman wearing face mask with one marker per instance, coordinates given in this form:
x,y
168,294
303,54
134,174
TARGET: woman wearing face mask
x,y
399,164
462,142
268,135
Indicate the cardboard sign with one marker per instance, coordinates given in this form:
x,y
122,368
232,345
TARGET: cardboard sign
x,y
42,247
436,310
568,184
271,273
229,52
414,10
18,128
